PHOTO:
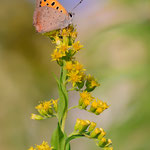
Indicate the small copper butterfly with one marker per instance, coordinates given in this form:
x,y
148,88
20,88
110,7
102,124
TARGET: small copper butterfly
x,y
50,15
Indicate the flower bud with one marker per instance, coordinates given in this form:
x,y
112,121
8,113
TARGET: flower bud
x,y
102,142
95,133
103,133
83,125
76,127
85,103
94,106
98,111
36,117
80,84
92,126
109,142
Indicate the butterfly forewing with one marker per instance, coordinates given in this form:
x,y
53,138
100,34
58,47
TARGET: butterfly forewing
x,y
50,15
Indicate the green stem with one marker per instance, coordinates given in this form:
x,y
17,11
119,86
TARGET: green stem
x,y
73,107
63,122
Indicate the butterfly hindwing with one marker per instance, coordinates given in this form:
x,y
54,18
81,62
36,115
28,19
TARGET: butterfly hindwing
x,y
48,19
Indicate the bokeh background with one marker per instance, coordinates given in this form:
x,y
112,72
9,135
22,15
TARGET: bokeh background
x,y
116,37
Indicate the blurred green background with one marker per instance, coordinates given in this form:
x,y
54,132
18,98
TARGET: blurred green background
x,y
116,37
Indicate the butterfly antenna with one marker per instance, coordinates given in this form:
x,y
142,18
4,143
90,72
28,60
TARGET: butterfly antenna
x,y
77,5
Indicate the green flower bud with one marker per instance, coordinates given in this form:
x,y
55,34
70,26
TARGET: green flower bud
x,y
50,111
36,117
92,126
102,142
94,106
80,84
43,112
83,125
98,111
103,133
109,142
95,133
76,127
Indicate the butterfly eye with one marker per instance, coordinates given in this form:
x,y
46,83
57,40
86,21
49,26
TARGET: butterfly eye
x,y
70,15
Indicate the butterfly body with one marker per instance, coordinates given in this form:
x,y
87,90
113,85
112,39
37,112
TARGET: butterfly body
x,y
50,15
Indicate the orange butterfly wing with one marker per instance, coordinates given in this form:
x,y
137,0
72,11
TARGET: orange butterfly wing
x,y
53,4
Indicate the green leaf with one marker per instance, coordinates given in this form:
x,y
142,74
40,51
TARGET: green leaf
x,y
58,139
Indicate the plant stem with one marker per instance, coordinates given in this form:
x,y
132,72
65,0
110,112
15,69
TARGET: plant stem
x,y
73,107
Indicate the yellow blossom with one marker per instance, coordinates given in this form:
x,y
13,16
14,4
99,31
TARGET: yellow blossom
x,y
64,48
65,33
94,104
31,148
105,106
74,34
69,65
94,84
56,55
86,102
77,46
74,77
86,95
57,40
47,105
78,66
43,146
91,82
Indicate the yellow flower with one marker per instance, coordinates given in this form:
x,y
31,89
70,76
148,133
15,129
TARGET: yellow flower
x,y
45,108
43,146
94,84
31,148
98,111
64,48
86,96
69,65
77,46
105,106
56,55
78,66
65,33
57,40
47,105
74,77
40,106
86,102
55,104
94,104
73,34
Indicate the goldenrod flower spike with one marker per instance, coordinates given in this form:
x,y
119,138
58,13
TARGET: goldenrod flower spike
x,y
71,72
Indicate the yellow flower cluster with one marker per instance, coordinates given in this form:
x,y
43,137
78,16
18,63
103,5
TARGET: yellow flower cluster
x,y
91,83
75,72
66,45
77,76
66,48
88,129
96,106
43,146
46,109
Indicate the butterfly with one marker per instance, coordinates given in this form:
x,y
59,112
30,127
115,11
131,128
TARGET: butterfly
x,y
50,15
